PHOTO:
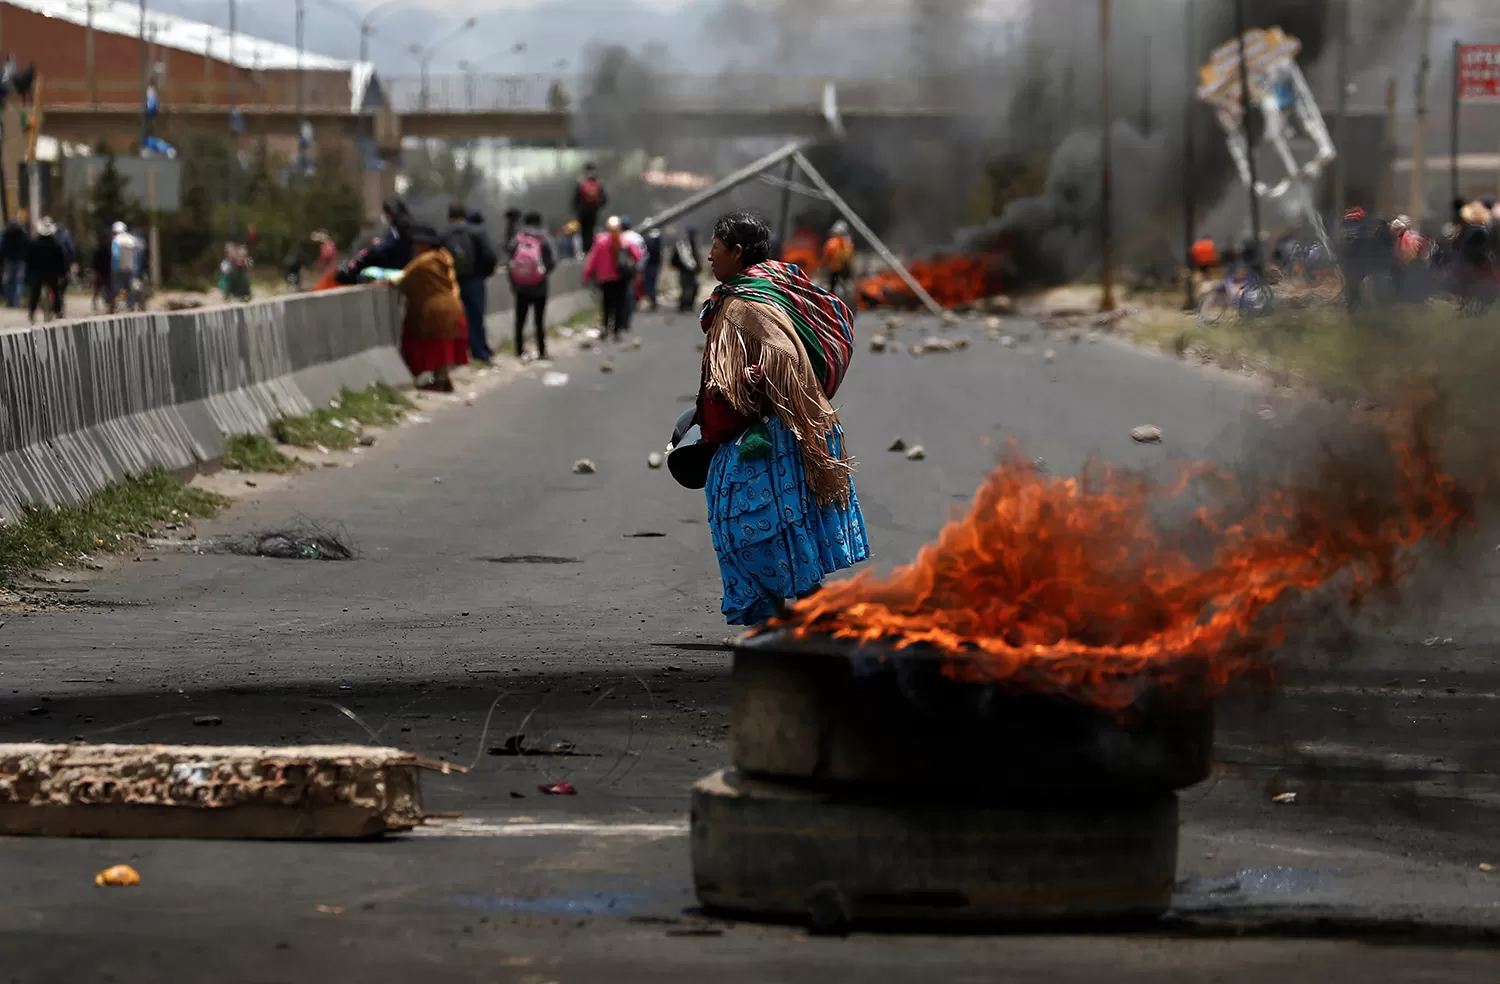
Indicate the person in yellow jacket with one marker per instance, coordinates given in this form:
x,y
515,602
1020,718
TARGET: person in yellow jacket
x,y
838,257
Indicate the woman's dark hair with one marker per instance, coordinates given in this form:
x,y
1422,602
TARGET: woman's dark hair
x,y
747,230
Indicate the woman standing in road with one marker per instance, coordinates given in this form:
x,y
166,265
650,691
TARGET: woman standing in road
x,y
612,264
781,502
434,334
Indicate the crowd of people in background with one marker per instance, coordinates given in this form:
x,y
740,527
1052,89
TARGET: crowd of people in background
x,y
38,262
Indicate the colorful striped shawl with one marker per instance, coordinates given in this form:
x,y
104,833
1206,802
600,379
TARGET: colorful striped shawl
x,y
823,321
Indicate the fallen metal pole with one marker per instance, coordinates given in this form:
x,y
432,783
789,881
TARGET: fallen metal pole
x,y
864,230
747,173
791,186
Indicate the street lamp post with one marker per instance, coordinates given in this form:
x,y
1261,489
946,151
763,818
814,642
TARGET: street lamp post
x,y
424,55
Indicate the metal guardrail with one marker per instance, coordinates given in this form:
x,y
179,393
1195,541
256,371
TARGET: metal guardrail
x,y
476,92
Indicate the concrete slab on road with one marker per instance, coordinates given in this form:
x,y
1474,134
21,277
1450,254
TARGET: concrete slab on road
x,y
497,593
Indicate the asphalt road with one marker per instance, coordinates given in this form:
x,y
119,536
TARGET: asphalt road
x,y
494,585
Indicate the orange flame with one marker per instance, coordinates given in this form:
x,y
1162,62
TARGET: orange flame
x,y
803,248
951,280
1069,586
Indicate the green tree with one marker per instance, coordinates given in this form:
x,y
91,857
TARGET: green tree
x,y
108,201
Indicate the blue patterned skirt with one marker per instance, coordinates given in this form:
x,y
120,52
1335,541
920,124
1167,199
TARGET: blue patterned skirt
x,y
773,539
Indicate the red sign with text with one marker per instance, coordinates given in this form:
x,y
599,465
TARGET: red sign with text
x,y
1479,72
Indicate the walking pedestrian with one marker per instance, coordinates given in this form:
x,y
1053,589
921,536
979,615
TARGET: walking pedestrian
x,y
651,269
530,260
124,268
782,510
434,334
589,198
466,250
13,245
838,257
46,271
612,264
687,261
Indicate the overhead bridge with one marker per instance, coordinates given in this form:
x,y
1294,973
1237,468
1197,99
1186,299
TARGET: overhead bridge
x,y
534,109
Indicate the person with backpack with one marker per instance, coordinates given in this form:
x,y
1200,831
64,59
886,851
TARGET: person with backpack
x,y
473,259
612,264
588,199
530,262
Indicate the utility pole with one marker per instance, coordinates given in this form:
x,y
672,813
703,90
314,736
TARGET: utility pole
x,y
1419,131
1146,91
234,136
1189,220
784,229
145,79
301,107
1239,26
1341,125
1106,192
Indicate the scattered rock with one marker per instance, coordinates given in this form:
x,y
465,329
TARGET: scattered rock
x,y
877,343
1486,867
992,323
915,350
560,378
183,304
655,459
892,322
916,453
1146,434
583,466
897,445
1075,337
1284,798
934,344
1093,337
207,721
949,318
1049,356
961,343
635,343
606,367
367,440
119,876
1007,341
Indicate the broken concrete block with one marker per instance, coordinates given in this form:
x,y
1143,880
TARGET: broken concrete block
x,y
583,466
992,323
892,321
1093,337
916,453
897,445
877,343
934,344
949,318
635,343
1146,434
310,792
655,459
915,350
1049,357
961,342
1007,341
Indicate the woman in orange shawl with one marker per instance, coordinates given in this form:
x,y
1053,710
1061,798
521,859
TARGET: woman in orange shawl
x,y
434,333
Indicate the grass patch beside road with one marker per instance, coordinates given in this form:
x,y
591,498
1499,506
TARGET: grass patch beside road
x,y
256,453
111,521
338,427
1325,344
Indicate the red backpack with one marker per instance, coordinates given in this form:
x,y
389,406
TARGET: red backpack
x,y
590,192
527,268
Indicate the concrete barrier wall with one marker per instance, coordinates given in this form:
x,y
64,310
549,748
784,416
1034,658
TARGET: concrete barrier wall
x,y
88,402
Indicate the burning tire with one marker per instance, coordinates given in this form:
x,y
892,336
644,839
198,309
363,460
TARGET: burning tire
x,y
822,711
771,850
